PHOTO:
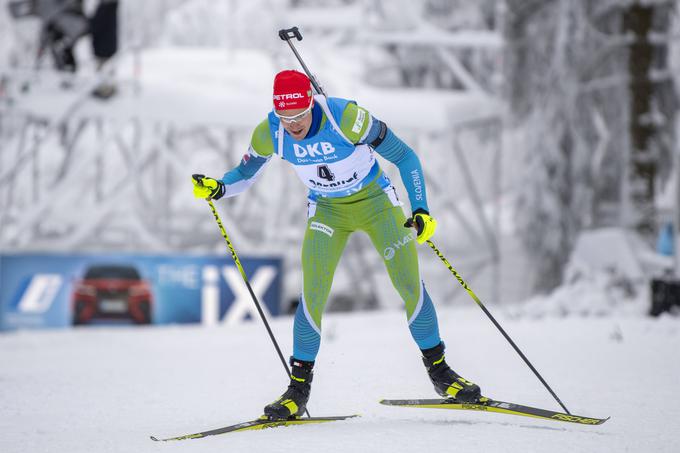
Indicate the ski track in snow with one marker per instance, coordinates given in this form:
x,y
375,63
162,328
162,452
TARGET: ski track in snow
x,y
106,389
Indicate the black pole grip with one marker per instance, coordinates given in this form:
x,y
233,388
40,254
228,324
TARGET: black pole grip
x,y
290,33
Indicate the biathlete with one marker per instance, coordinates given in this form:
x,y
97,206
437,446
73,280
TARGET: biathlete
x,y
331,142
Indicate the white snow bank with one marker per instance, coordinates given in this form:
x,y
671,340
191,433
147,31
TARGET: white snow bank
x,y
608,272
624,251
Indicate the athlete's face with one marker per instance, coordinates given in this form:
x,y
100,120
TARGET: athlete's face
x,y
296,121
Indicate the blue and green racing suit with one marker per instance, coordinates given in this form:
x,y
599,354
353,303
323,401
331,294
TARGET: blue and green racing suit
x,y
348,191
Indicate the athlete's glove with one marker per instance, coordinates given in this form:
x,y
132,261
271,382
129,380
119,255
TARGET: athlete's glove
x,y
423,223
208,188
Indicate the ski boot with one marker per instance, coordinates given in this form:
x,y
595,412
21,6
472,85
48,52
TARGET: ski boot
x,y
446,381
293,402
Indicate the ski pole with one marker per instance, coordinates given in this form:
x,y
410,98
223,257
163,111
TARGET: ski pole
x,y
287,35
498,326
250,289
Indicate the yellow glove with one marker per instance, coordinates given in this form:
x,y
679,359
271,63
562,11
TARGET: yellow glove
x,y
424,225
207,188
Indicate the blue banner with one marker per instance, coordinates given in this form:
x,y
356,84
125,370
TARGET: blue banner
x,y
63,290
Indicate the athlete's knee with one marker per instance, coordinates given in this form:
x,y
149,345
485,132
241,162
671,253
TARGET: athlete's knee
x,y
311,309
410,290
423,322
306,335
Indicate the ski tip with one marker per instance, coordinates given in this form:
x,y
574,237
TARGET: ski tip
x,y
154,438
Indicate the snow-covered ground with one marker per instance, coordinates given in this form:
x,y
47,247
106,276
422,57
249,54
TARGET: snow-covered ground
x,y
107,389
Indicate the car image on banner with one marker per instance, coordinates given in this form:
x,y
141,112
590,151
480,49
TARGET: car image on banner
x,y
60,290
112,292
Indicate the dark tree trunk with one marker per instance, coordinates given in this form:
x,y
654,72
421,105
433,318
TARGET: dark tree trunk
x,y
638,20
650,116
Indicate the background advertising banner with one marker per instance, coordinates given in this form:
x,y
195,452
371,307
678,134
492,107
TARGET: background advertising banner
x,y
64,290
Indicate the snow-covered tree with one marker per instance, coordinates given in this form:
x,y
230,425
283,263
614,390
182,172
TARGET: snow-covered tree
x,y
570,90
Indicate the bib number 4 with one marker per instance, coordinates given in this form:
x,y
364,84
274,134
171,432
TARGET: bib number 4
x,y
325,173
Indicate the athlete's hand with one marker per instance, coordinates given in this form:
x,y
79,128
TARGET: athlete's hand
x,y
423,223
207,188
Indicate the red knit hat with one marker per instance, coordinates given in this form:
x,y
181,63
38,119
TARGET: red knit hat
x,y
292,90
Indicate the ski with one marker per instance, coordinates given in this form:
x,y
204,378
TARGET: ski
x,y
260,423
502,407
